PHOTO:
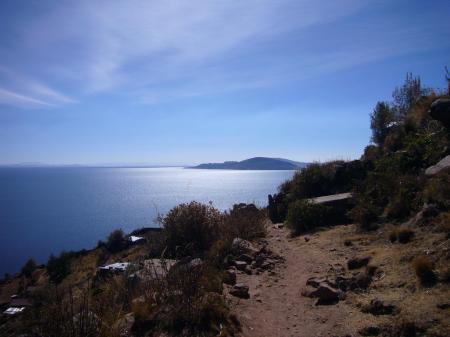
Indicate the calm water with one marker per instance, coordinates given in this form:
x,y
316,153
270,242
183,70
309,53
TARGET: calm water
x,y
47,210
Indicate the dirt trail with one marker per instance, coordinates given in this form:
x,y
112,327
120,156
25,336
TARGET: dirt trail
x,y
276,307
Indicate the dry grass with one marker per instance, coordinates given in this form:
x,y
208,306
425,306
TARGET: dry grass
x,y
424,270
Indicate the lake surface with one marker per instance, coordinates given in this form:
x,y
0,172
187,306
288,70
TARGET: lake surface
x,y
47,210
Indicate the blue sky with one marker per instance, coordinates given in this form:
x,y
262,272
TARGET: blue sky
x,y
184,82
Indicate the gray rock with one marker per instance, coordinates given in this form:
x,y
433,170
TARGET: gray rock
x,y
372,330
240,265
246,258
358,262
440,110
229,277
324,293
240,290
378,307
240,246
443,305
443,164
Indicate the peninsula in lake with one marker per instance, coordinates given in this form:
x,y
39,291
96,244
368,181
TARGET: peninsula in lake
x,y
256,163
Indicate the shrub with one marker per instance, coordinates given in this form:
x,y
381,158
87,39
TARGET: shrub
x,y
116,241
191,229
305,216
424,271
405,235
244,221
393,235
59,267
28,268
443,223
445,275
365,214
381,121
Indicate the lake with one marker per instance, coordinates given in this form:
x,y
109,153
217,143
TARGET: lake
x,y
47,210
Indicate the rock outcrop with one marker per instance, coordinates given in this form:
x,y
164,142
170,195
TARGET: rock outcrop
x,y
439,167
440,110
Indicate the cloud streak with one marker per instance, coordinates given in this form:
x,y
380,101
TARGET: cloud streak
x,y
156,51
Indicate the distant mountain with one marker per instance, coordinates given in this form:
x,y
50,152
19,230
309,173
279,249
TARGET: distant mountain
x,y
256,163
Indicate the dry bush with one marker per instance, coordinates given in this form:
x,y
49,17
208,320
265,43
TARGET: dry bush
x,y
445,275
183,300
443,223
424,271
245,221
403,235
191,229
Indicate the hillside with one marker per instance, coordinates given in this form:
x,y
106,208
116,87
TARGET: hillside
x,y
256,163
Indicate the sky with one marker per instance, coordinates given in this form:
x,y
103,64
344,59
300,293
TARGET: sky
x,y
175,82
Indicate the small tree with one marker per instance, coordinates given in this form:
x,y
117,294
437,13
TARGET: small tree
x,y
447,78
28,268
380,121
116,241
406,95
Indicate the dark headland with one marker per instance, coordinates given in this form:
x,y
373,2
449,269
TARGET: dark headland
x,y
256,163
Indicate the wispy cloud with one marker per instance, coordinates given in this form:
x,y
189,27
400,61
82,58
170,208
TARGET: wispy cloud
x,y
160,50
20,91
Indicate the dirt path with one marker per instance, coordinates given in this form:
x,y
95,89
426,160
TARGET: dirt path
x,y
276,307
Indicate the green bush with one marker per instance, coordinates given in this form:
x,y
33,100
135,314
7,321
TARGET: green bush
x,y
116,241
304,216
59,267
28,268
191,229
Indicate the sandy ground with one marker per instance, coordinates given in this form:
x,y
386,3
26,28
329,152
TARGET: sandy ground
x,y
276,307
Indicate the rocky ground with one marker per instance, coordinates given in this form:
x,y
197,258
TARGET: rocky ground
x,y
337,282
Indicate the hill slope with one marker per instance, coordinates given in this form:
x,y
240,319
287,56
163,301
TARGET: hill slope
x,y
256,163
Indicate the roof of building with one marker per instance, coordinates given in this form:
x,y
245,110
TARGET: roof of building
x,y
122,266
20,302
13,311
330,198
133,238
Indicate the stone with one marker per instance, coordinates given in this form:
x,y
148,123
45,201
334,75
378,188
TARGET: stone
x,y
358,262
442,165
360,280
195,263
440,110
240,290
324,293
378,307
246,258
371,330
316,281
240,246
248,270
240,265
443,305
229,277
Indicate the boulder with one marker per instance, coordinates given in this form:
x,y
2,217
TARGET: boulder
x,y
443,164
240,246
229,277
358,262
240,265
324,293
245,258
378,307
358,280
240,290
371,330
440,110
